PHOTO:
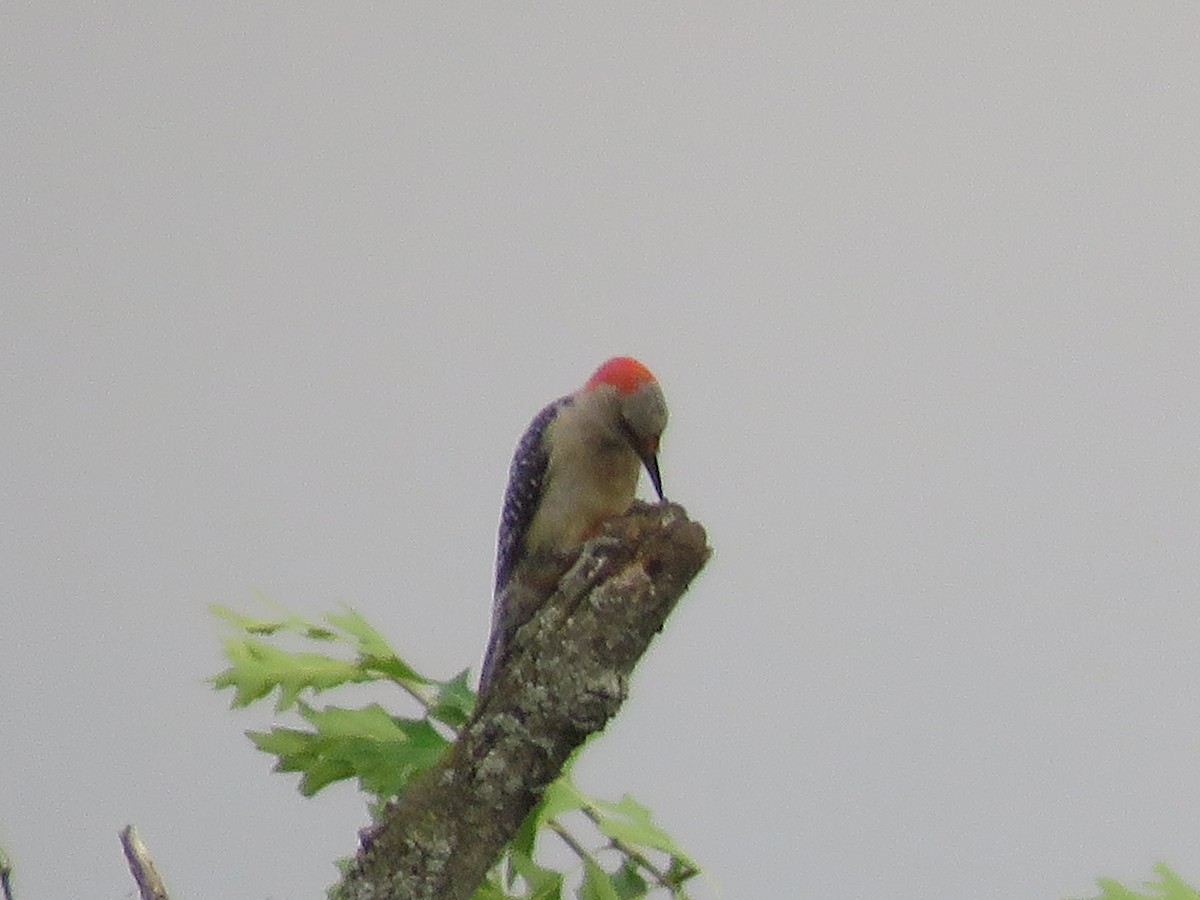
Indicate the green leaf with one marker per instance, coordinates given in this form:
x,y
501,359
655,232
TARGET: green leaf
x,y
561,796
630,822
540,883
1114,890
1174,887
1171,887
384,753
453,701
596,883
245,623
370,642
259,668
489,890
304,752
267,627
524,878
375,653
525,839
628,882
371,721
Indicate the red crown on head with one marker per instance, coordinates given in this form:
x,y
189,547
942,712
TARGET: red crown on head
x,y
624,373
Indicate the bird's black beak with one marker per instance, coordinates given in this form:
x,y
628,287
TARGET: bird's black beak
x,y
647,451
650,461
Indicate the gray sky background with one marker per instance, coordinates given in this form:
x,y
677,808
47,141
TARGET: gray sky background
x,y
281,286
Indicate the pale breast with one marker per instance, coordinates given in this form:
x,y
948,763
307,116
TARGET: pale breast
x,y
587,483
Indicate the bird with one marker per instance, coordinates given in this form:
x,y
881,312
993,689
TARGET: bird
x,y
575,467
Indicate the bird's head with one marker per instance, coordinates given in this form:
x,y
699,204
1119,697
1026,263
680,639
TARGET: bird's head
x,y
641,408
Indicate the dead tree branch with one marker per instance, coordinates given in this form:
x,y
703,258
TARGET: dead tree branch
x,y
565,677
149,883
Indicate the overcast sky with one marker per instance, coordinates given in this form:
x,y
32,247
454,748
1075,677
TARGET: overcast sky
x,y
282,284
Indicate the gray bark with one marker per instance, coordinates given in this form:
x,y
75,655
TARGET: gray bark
x,y
564,677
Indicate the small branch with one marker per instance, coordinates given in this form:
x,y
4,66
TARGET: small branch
x,y
616,843
660,877
564,677
569,839
149,883
422,699
5,875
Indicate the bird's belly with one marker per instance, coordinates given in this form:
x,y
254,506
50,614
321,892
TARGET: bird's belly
x,y
572,513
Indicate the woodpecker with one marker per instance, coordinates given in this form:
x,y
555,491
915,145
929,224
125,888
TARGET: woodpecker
x,y
576,466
